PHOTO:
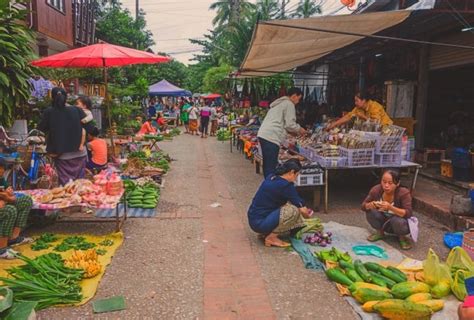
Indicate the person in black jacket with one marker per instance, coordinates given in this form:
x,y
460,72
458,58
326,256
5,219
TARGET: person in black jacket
x,y
65,137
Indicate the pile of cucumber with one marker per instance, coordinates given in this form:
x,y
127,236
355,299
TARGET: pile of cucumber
x,y
143,197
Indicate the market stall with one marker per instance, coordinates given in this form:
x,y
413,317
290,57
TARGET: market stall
x,y
103,194
360,145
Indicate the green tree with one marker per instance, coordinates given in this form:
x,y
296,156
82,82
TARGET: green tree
x,y
117,26
216,79
230,11
15,53
268,9
306,9
195,78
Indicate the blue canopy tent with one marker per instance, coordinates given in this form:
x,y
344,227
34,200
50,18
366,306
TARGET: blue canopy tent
x,y
166,89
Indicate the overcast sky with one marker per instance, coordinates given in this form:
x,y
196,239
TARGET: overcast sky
x,y
173,22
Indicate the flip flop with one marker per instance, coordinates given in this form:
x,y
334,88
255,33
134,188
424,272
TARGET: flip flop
x,y
375,237
405,244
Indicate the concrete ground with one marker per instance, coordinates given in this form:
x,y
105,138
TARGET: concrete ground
x,y
196,261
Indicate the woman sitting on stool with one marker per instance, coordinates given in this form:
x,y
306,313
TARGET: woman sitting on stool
x,y
388,209
277,207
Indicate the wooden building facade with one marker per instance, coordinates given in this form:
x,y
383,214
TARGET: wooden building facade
x,y
62,24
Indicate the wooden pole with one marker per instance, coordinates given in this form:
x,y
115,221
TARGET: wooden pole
x,y
422,96
107,104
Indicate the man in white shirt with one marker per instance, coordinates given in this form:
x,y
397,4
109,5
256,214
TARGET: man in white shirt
x,y
279,121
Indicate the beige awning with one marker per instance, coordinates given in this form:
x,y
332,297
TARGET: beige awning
x,y
278,48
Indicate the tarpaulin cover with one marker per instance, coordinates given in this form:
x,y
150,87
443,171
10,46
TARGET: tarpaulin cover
x,y
164,88
278,48
89,286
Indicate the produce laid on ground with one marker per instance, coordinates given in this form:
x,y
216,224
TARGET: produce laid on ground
x,y
44,242
142,193
384,290
103,191
74,243
139,164
53,278
45,280
312,225
319,238
86,260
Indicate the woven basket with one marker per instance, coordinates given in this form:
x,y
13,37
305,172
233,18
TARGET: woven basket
x,y
468,242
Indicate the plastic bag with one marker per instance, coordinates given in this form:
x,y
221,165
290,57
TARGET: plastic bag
x,y
452,240
458,287
459,259
437,275
370,250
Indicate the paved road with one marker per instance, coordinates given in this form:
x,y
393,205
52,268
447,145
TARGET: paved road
x,y
194,261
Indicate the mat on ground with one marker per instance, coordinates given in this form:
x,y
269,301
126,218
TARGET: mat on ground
x,y
89,286
345,237
131,212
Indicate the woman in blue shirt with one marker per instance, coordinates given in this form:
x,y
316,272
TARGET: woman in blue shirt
x,y
277,208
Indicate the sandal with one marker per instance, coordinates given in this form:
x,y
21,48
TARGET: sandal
x,y
375,237
8,254
19,241
405,244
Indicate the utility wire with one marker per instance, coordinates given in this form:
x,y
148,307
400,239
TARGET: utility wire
x,y
460,18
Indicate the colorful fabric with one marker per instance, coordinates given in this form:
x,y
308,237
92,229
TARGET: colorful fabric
x,y
14,215
375,111
290,218
205,111
193,124
98,148
213,127
184,113
71,169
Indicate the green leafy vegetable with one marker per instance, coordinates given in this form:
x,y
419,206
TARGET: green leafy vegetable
x,y
45,280
101,252
74,242
106,243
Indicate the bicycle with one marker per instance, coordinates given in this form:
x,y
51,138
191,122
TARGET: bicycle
x,y
16,175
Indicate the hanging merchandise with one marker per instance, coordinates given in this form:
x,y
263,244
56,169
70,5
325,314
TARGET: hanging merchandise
x,y
245,89
253,93
306,94
314,95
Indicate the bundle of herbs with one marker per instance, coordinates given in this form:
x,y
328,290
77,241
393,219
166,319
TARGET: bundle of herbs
x,y
45,280
74,242
44,242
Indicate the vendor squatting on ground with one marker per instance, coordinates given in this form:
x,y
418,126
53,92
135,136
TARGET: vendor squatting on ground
x,y
14,211
277,208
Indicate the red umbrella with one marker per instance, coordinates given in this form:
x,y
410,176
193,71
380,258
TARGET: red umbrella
x,y
100,55
212,96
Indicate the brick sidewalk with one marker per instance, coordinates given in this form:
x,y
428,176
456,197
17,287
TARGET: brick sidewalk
x,y
233,286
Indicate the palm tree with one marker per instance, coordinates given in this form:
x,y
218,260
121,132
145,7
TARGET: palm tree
x,y
230,11
268,9
307,8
